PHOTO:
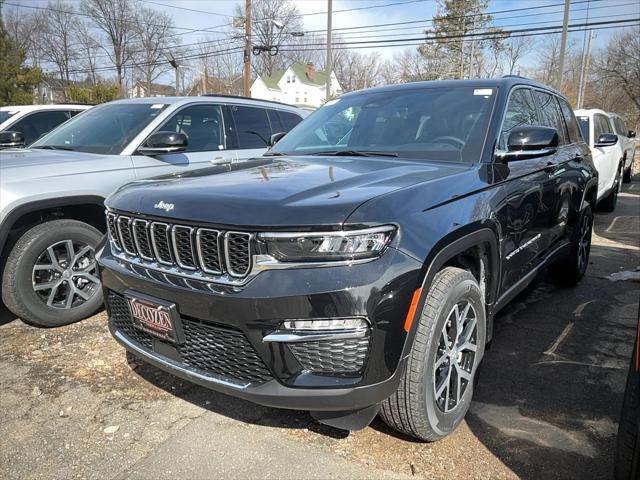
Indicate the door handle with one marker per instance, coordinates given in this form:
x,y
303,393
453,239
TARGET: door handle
x,y
550,167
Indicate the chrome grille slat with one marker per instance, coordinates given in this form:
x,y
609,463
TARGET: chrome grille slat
x,y
237,253
160,243
140,230
182,239
112,228
209,251
191,251
126,237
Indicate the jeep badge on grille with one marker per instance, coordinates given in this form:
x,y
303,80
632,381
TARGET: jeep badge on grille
x,y
167,207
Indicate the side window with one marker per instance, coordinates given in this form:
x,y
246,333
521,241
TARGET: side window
x,y
274,120
550,115
520,111
202,124
73,113
37,124
252,126
289,120
570,120
601,126
621,128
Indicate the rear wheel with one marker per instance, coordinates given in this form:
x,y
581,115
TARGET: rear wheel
x,y
570,270
436,388
626,177
50,278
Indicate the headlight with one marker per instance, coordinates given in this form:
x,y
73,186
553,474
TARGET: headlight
x,y
327,246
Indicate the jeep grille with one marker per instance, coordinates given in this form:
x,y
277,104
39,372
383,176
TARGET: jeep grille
x,y
186,249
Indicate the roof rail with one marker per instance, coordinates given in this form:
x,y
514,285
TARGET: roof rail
x,y
245,98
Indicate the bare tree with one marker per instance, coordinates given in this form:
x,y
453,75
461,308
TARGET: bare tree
x,y
514,49
58,40
154,34
25,29
272,23
619,63
356,71
116,19
88,48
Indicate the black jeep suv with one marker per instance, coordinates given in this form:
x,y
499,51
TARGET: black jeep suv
x,y
355,269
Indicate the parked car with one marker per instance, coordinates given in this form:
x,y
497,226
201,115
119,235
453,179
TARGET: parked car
x,y
627,461
23,124
608,154
356,274
627,138
51,195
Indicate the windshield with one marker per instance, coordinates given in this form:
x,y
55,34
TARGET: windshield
x,y
429,123
105,129
583,122
6,114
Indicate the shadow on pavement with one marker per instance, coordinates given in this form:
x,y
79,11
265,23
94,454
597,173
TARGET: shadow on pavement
x,y
5,315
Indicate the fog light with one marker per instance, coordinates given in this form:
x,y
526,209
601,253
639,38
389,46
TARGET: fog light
x,y
326,324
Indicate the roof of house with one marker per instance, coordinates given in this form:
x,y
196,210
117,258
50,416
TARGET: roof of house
x,y
300,69
156,87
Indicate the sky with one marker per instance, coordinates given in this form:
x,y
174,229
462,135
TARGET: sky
x,y
391,11
214,14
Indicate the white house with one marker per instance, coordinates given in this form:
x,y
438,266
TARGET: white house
x,y
299,85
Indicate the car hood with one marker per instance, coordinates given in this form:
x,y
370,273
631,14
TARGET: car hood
x,y
272,192
27,164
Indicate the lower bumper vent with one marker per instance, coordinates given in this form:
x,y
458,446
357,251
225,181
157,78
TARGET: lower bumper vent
x,y
210,349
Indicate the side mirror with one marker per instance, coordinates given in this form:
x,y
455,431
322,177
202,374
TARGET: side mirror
x,y
606,140
530,142
276,137
160,143
10,139
631,134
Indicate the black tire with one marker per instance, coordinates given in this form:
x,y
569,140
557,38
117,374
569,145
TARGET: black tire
x,y
608,204
627,463
568,271
18,292
414,408
626,176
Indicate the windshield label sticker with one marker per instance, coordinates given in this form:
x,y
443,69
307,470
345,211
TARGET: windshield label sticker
x,y
483,91
157,105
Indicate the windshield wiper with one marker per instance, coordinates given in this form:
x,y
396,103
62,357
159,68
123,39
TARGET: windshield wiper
x,y
355,153
274,154
55,147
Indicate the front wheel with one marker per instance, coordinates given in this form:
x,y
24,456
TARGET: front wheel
x,y
626,177
436,388
608,204
50,278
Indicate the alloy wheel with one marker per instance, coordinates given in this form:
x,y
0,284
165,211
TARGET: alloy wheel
x,y
584,242
65,274
455,356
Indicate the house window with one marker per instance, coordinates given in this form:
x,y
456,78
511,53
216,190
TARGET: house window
x,y
288,79
297,99
293,79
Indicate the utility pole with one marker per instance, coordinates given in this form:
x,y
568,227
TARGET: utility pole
x,y
586,52
583,83
473,48
563,45
328,66
246,78
462,49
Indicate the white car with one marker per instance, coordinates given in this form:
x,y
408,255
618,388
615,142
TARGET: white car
x,y
607,151
628,144
33,121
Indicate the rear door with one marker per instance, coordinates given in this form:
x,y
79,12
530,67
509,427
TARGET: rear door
x,y
251,130
204,126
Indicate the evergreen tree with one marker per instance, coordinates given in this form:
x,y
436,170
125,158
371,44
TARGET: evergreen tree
x,y
17,82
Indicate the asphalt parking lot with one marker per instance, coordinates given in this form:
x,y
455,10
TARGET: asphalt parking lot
x,y
546,403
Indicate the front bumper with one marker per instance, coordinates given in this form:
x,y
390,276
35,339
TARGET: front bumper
x,y
379,291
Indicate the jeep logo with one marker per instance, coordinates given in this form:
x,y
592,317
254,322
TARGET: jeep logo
x,y
167,207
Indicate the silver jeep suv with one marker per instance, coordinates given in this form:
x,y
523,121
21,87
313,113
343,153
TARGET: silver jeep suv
x,y
51,195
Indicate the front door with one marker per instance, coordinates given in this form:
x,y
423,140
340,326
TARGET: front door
x,y
204,126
